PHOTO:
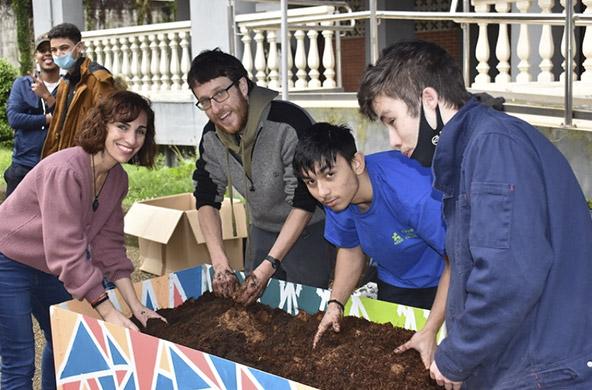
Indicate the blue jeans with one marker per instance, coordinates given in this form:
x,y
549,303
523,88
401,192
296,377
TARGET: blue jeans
x,y
25,291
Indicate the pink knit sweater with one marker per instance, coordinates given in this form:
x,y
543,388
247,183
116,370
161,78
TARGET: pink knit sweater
x,y
48,223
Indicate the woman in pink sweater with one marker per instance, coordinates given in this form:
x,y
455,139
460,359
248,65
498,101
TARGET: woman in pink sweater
x,y
61,234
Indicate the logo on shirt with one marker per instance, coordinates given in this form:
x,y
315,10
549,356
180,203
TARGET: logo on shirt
x,y
405,234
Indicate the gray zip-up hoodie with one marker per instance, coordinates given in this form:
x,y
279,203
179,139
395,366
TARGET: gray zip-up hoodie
x,y
270,187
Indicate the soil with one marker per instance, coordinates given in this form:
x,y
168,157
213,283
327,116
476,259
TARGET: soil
x,y
359,357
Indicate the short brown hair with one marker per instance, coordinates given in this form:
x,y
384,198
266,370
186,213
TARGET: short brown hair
x,y
405,69
121,106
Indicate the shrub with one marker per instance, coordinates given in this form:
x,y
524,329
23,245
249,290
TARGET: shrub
x,y
7,75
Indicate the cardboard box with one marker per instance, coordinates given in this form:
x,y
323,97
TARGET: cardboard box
x,y
169,236
90,353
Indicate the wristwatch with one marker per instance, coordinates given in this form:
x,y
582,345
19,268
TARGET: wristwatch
x,y
275,263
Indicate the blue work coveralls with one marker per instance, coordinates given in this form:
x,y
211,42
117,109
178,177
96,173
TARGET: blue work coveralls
x,y
519,238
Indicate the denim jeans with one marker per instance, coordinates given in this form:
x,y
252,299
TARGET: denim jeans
x,y
25,291
13,176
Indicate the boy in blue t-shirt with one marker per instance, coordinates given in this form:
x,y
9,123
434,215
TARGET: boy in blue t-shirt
x,y
383,206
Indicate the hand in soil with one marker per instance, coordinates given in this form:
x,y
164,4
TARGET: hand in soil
x,y
423,342
331,319
143,314
442,380
225,282
250,290
114,316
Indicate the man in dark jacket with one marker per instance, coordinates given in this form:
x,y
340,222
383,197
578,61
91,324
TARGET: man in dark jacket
x,y
29,109
249,144
519,234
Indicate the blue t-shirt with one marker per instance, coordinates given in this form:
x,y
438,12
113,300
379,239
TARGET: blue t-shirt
x,y
403,229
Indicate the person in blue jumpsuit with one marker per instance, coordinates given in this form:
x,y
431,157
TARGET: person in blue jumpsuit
x,y
519,234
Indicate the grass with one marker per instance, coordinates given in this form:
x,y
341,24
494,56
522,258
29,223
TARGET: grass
x,y
144,183
5,156
162,180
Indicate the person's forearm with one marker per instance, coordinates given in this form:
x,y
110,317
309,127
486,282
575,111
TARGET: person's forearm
x,y
211,228
438,310
125,287
348,269
291,230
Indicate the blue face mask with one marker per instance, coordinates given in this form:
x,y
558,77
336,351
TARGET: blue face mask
x,y
65,61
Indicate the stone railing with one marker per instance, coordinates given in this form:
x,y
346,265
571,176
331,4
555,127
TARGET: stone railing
x,y
155,58
534,49
308,67
152,59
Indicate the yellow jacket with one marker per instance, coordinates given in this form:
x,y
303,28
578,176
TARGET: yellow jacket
x,y
95,82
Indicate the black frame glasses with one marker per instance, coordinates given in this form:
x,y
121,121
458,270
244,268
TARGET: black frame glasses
x,y
218,97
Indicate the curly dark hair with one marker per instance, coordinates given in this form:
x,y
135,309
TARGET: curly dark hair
x,y
65,30
121,106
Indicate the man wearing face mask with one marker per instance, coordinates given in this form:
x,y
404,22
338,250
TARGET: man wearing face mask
x,y
29,111
84,84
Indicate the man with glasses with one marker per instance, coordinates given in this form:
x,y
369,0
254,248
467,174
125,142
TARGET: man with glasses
x,y
84,84
249,144
29,111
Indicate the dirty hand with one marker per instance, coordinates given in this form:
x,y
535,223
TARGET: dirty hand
x,y
441,380
225,283
250,290
254,284
142,314
423,342
331,319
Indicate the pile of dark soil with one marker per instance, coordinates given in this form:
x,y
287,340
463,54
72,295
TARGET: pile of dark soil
x,y
359,357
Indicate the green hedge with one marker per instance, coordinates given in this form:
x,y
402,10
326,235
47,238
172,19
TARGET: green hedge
x,y
7,75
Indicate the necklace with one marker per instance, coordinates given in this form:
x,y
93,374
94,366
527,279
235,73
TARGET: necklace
x,y
95,203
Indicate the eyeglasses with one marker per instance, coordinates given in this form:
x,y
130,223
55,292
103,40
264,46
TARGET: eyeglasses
x,y
218,97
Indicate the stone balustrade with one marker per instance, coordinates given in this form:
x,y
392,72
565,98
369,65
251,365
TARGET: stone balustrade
x,y
308,67
534,50
152,59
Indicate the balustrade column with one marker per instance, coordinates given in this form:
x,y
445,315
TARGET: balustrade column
x,y
482,50
175,67
260,63
135,64
546,47
523,49
90,49
563,39
313,58
587,45
99,59
328,57
125,59
300,60
164,63
273,63
116,66
247,54
290,62
154,62
502,49
185,56
107,50
145,64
